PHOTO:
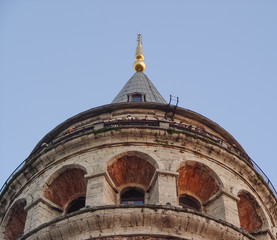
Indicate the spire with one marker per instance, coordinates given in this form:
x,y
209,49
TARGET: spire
x,y
139,88
139,64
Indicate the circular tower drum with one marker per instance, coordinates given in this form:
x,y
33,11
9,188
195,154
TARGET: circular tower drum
x,y
138,169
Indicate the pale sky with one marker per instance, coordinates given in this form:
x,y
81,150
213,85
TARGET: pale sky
x,y
61,57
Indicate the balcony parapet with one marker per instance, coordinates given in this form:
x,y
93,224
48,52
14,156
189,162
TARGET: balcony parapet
x,y
153,221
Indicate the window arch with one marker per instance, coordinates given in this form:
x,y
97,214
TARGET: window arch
x,y
131,173
130,170
196,184
16,220
132,195
250,213
66,184
187,201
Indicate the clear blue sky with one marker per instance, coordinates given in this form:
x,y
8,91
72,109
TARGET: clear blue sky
x,y
59,58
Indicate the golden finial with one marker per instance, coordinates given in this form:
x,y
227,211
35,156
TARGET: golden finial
x,y
139,64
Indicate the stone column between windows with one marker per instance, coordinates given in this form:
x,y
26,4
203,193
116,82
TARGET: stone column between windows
x,y
40,212
223,205
100,190
162,188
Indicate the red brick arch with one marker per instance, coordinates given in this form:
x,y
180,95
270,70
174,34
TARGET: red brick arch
x,y
65,185
131,170
250,213
16,220
197,180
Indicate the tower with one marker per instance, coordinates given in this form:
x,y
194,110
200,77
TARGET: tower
x,y
124,171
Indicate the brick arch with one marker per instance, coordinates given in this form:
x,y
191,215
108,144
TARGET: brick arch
x,y
15,220
65,184
131,169
251,216
149,157
197,180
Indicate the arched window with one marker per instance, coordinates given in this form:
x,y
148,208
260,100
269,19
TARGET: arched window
x,y
16,221
76,204
250,212
65,186
132,196
131,174
187,201
198,180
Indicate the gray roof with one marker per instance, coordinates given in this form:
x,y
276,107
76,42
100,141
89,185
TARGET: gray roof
x,y
139,83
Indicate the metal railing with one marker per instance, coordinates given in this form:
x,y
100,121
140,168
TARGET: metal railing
x,y
75,131
132,122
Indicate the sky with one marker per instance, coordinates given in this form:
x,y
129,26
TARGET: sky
x,y
61,57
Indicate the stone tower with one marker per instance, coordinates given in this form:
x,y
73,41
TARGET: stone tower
x,y
138,168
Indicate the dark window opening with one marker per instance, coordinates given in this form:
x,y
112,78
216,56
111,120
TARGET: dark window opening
x,y
76,204
187,201
136,98
132,196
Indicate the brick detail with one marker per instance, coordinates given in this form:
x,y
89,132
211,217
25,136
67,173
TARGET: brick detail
x,y
67,186
131,170
197,180
248,216
16,222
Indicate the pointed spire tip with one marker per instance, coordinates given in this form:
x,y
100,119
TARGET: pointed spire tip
x,y
139,65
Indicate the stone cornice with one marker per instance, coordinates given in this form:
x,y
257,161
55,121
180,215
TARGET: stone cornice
x,y
46,202
106,176
219,194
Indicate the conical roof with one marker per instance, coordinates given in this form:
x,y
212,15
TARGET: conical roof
x,y
139,85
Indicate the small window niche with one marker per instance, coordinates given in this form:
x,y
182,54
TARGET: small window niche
x,y
187,201
136,97
132,195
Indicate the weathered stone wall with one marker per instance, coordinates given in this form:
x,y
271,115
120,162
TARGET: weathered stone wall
x,y
153,222
15,221
101,164
66,185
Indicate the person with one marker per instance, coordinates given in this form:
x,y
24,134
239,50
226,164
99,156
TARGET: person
x,y
71,129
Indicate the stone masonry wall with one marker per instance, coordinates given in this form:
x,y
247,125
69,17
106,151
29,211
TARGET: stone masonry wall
x,y
163,154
